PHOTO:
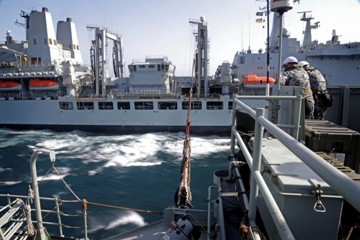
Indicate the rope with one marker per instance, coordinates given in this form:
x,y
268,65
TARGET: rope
x,y
66,185
125,208
245,134
29,225
93,203
200,225
42,179
101,204
62,179
175,226
184,197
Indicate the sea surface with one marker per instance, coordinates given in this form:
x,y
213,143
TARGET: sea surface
x,y
128,171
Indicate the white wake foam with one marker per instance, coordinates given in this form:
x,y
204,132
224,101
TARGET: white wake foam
x,y
131,150
131,218
9,183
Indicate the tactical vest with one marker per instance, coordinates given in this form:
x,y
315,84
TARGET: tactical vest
x,y
317,81
297,76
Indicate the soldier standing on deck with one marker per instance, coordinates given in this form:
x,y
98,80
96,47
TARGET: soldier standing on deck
x,y
295,75
318,86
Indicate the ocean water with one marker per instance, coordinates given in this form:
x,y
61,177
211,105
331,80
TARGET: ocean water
x,y
131,171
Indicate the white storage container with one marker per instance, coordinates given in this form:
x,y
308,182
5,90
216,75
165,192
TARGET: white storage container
x,y
293,185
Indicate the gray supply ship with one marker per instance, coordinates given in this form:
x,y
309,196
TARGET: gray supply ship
x,y
273,187
44,84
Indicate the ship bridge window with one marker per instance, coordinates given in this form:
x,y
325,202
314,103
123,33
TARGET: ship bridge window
x,y
212,105
144,105
230,105
242,60
66,105
151,66
35,60
196,105
167,105
141,66
106,106
85,105
123,105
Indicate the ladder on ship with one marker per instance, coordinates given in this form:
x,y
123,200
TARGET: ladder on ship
x,y
13,224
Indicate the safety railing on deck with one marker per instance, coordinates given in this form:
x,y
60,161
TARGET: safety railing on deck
x,y
50,215
342,184
53,214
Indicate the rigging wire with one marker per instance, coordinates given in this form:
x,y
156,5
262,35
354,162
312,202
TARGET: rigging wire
x,y
125,208
95,203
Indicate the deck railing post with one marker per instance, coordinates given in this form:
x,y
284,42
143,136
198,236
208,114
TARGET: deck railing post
x,y
233,124
84,207
59,216
297,109
41,232
254,188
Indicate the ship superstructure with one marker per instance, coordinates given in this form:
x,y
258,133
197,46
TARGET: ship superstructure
x,y
339,62
46,65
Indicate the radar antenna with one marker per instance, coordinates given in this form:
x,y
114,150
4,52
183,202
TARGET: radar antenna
x,y
20,24
25,15
307,17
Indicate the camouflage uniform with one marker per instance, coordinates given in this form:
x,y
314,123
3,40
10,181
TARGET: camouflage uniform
x,y
297,76
318,86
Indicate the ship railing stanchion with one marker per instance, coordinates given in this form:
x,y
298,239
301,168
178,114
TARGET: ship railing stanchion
x,y
254,188
233,124
84,206
297,116
209,211
59,217
41,232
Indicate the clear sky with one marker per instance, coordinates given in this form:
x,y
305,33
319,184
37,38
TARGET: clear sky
x,y
161,27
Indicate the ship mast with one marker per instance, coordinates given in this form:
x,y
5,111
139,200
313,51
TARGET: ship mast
x,y
201,56
306,17
280,7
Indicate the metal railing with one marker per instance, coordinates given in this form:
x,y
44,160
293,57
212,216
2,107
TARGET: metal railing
x,y
53,213
52,209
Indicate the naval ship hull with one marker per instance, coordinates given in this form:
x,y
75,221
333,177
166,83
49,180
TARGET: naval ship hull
x,y
46,114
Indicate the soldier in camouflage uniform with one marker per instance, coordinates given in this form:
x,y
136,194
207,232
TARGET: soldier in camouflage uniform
x,y
318,87
295,75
